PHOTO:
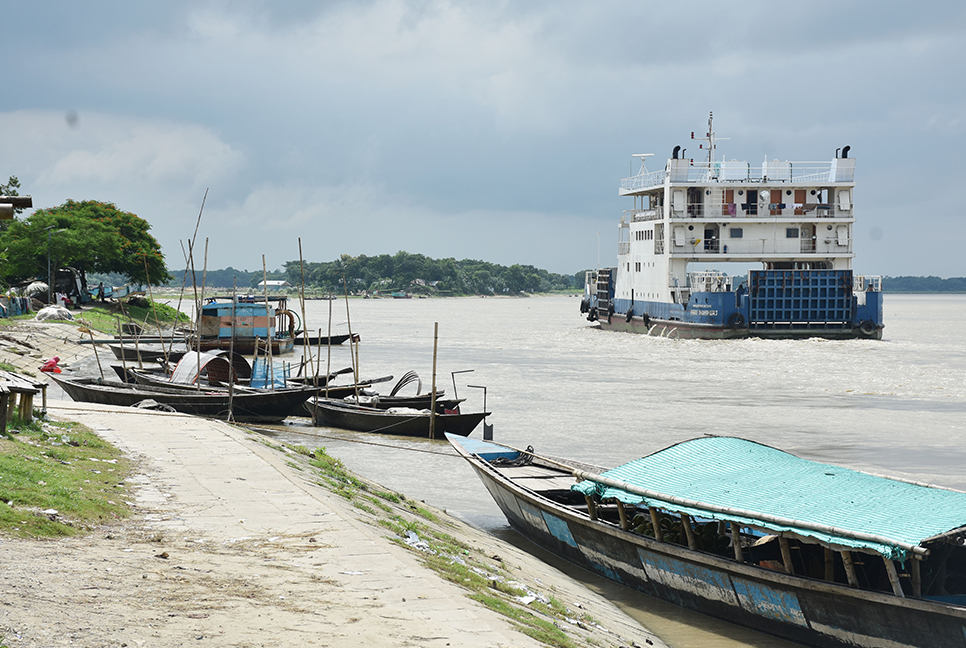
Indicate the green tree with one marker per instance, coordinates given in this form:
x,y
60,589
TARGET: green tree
x,y
91,236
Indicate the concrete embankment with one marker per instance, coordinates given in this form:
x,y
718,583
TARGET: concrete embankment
x,y
237,542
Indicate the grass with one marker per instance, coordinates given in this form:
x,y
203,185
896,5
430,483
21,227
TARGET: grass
x,y
63,467
105,316
487,583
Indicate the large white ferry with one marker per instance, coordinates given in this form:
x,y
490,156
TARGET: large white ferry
x,y
795,219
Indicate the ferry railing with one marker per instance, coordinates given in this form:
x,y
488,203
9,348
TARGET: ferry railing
x,y
730,211
636,215
862,283
709,281
623,247
735,171
698,245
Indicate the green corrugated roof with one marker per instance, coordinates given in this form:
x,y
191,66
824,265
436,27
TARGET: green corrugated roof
x,y
764,484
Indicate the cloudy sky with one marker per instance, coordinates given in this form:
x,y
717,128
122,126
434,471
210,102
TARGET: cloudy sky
x,y
486,130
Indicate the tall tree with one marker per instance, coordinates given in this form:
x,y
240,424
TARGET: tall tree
x,y
88,235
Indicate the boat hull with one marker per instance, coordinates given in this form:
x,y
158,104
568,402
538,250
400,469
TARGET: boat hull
x,y
696,331
807,611
361,419
266,407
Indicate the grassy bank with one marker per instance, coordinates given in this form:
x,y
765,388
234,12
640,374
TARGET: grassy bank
x,y
59,479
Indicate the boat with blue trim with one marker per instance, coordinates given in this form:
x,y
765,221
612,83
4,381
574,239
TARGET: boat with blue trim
x,y
810,552
795,219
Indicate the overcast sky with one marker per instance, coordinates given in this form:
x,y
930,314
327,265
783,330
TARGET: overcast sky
x,y
495,131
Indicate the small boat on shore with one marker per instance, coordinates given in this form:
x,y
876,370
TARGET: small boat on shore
x,y
261,406
398,421
325,340
810,552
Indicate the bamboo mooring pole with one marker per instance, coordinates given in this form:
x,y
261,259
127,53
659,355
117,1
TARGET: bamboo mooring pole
x,y
432,406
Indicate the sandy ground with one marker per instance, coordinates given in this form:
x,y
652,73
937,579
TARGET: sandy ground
x,y
232,543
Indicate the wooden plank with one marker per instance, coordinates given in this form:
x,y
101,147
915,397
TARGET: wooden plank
x,y
544,483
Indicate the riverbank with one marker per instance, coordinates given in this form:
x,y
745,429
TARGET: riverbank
x,y
240,542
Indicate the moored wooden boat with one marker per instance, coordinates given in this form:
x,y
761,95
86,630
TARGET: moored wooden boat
x,y
325,340
263,406
866,561
338,414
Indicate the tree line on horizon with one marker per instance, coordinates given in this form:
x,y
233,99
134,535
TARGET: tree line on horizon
x,y
402,271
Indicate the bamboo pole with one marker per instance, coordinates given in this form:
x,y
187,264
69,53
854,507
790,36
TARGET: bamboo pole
x,y
893,577
786,555
689,531
154,310
306,347
270,368
591,507
432,406
829,565
916,579
850,568
736,541
656,523
231,353
355,360
623,515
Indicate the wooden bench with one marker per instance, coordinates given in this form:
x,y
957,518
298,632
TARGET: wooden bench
x,y
17,395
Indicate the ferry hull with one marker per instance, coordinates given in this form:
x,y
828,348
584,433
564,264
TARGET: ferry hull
x,y
810,612
687,331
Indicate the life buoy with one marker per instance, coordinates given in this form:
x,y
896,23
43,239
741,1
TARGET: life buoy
x,y
867,328
737,320
629,315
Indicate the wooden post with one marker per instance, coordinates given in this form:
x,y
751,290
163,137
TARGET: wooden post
x,y
432,405
736,541
620,510
271,369
786,555
829,565
893,577
689,531
591,507
916,578
656,523
849,569
4,403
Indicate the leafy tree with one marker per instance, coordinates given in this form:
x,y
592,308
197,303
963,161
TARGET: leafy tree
x,y
91,236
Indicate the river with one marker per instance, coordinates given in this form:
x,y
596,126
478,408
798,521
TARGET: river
x,y
556,382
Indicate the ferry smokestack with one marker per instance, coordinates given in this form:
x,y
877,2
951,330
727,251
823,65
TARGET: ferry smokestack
x,y
845,152
674,155
837,153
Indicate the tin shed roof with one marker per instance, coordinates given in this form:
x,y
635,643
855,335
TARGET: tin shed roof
x,y
736,480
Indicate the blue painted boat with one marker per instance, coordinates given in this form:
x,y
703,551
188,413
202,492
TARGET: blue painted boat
x,y
788,224
810,552
246,323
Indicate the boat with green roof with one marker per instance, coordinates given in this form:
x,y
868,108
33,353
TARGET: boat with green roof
x,y
814,553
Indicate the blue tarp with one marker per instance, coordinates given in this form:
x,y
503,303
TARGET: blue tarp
x,y
260,373
755,479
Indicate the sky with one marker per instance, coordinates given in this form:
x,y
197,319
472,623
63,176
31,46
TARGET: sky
x,y
486,130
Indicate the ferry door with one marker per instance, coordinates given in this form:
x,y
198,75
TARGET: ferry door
x,y
799,202
751,202
711,238
728,207
808,238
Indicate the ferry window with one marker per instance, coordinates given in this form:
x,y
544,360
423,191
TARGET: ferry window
x,y
791,232
735,232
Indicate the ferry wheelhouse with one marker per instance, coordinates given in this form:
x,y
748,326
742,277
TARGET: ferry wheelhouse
x,y
795,219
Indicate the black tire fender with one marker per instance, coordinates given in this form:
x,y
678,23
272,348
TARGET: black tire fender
x,y
629,315
867,328
737,320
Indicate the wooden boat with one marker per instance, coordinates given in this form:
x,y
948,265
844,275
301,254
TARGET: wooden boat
x,y
420,401
338,414
246,324
262,406
809,552
128,351
325,340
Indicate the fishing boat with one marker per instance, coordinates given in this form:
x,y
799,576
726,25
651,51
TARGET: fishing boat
x,y
246,325
325,340
793,220
262,406
397,421
810,552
